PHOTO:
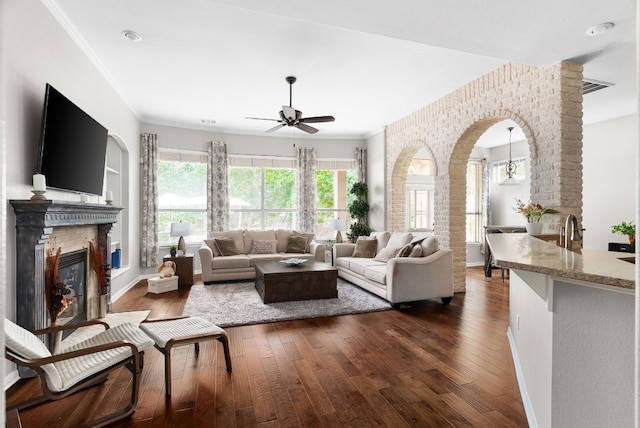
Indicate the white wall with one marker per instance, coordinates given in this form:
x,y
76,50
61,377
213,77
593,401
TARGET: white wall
x,y
375,181
35,50
610,171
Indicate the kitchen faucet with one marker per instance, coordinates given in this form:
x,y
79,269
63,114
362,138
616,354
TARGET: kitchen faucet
x,y
575,236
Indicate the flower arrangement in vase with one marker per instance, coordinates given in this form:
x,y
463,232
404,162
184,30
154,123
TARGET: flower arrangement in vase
x,y
533,212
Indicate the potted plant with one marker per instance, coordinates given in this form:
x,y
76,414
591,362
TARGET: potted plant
x,y
533,212
173,250
359,209
625,228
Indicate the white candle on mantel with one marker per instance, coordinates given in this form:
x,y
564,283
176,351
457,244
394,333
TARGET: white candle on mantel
x,y
109,196
39,182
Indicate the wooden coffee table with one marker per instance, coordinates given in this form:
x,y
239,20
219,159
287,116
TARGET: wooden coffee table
x,y
278,282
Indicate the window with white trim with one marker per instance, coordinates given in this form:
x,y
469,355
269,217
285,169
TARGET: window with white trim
x,y
182,194
500,169
473,224
334,178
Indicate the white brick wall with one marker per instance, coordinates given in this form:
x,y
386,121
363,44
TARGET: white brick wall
x,y
545,102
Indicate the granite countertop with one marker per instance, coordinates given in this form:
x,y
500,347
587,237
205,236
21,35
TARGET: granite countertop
x,y
525,252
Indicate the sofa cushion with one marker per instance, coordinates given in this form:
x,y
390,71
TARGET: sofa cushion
x,y
253,258
399,239
261,235
309,237
406,250
387,253
343,262
211,243
365,247
296,244
383,239
226,246
429,246
282,238
236,235
358,265
377,274
263,246
228,262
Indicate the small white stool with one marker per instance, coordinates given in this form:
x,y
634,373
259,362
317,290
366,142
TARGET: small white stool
x,y
159,285
167,333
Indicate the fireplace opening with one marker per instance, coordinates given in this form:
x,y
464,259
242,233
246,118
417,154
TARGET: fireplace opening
x,y
72,269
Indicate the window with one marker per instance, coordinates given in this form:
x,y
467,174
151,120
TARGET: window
x,y
474,201
182,194
420,190
334,179
500,170
262,193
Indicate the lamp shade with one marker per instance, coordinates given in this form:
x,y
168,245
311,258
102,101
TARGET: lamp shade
x,y
337,224
180,229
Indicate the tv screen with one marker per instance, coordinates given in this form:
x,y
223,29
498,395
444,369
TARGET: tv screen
x,y
72,147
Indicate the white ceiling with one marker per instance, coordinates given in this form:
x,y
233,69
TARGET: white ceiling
x,y
366,62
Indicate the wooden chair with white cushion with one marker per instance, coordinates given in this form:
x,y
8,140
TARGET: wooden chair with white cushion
x,y
80,366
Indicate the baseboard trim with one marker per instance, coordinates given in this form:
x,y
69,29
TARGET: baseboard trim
x,y
10,379
524,393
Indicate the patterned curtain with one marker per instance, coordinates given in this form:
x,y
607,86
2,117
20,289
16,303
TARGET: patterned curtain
x,y
306,189
217,186
149,211
486,199
361,165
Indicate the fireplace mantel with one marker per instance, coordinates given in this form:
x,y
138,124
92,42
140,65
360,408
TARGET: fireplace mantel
x,y
35,220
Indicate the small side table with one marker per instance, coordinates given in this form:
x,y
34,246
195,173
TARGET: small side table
x,y
184,269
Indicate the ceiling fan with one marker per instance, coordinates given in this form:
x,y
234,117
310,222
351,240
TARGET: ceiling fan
x,y
292,117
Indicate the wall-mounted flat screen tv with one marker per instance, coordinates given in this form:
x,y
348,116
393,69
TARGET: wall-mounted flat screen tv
x,y
73,146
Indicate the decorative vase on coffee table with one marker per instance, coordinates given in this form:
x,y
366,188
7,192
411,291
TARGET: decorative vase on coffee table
x,y
534,228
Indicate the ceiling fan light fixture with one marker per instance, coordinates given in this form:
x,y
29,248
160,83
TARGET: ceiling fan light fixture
x,y
510,168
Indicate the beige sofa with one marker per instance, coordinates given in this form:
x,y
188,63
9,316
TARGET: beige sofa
x,y
426,274
242,266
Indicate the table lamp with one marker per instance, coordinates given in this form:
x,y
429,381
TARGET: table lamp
x,y
338,224
181,229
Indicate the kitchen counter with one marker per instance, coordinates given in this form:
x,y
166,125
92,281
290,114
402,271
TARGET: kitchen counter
x,y
571,328
527,253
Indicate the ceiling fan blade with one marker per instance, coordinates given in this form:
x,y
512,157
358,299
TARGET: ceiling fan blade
x,y
317,119
306,128
275,128
262,118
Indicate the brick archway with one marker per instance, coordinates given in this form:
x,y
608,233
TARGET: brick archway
x,y
545,102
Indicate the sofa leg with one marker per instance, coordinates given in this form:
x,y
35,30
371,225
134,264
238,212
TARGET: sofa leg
x,y
446,300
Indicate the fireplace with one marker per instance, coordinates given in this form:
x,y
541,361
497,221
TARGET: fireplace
x,y
72,272
66,224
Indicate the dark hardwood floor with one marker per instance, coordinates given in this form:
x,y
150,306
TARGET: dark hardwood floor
x,y
430,365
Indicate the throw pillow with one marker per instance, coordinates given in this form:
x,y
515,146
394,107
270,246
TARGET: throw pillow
x,y
227,247
416,251
263,246
406,250
365,248
296,244
214,248
309,236
387,254
429,246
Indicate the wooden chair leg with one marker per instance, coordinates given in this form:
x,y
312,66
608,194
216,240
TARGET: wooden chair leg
x,y
167,371
225,347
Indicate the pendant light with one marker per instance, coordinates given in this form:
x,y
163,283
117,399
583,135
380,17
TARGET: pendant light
x,y
510,169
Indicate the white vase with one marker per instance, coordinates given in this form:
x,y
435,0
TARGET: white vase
x,y
534,228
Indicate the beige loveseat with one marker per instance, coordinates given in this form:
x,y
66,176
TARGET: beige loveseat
x,y
252,246
402,268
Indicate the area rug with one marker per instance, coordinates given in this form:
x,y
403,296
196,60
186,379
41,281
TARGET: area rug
x,y
234,304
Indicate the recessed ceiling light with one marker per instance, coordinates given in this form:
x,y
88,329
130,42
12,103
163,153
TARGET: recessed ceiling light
x,y
599,29
208,121
131,35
